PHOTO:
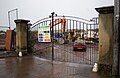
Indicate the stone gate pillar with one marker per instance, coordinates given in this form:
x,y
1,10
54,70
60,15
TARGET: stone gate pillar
x,y
21,35
106,30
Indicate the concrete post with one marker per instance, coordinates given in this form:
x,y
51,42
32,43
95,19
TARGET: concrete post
x,y
116,53
106,29
21,35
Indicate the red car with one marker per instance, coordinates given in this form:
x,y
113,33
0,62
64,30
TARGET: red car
x,y
79,44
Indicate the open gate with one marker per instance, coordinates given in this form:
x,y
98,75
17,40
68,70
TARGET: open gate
x,y
66,30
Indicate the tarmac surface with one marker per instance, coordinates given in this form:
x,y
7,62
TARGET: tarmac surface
x,y
35,67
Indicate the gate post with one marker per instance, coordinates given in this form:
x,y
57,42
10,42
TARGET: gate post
x,y
116,54
21,36
106,30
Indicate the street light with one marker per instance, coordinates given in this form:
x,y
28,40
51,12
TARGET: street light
x,y
52,16
9,16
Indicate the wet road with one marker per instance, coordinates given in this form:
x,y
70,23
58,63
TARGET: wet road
x,y
34,67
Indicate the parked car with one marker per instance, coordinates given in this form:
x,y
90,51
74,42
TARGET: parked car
x,y
88,41
79,45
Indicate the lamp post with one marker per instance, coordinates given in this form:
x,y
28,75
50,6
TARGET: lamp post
x,y
9,16
52,33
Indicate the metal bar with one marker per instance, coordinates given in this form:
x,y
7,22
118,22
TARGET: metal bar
x,y
12,10
80,36
83,38
9,16
76,18
52,36
70,25
73,40
55,57
90,45
16,13
94,43
73,26
76,26
68,42
45,54
9,20
58,39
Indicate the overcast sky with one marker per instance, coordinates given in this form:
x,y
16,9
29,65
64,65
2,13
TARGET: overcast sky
x,y
35,10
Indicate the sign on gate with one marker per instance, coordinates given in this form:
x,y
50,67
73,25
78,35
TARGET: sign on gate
x,y
44,34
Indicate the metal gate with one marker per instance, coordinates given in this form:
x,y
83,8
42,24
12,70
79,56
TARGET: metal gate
x,y
65,31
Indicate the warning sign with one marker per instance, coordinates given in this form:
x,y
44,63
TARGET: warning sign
x,y
44,34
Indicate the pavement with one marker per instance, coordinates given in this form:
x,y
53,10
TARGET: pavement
x,y
35,67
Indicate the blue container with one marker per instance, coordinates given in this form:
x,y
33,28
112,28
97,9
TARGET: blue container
x,y
58,35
